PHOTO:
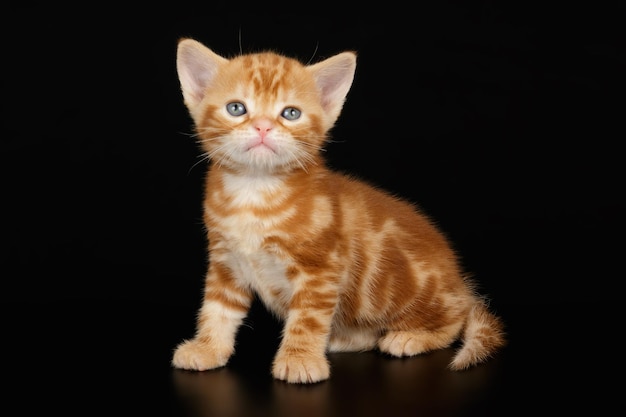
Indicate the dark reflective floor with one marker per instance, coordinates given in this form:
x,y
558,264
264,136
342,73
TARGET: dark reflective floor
x,y
100,357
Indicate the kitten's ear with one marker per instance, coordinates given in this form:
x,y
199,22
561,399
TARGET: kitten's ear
x,y
196,65
334,77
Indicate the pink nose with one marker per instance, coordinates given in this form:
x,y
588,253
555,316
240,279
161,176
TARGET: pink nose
x,y
263,126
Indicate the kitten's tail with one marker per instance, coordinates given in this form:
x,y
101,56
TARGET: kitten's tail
x,y
482,337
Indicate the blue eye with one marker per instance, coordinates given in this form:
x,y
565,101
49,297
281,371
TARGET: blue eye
x,y
236,108
291,113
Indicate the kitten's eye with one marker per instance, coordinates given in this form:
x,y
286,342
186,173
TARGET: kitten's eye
x,y
291,113
236,108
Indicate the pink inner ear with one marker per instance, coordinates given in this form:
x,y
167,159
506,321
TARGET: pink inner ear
x,y
334,78
329,86
196,65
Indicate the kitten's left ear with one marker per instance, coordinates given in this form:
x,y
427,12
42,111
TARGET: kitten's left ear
x,y
334,77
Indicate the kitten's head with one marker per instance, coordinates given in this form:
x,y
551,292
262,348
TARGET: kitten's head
x,y
262,111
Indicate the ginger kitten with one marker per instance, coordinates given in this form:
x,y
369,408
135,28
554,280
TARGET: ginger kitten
x,y
347,266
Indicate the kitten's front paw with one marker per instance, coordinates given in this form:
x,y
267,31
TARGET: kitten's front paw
x,y
300,369
196,355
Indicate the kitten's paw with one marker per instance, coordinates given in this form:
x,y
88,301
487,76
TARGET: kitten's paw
x,y
197,355
402,344
301,369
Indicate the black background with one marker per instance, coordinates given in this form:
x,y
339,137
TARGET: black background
x,y
503,120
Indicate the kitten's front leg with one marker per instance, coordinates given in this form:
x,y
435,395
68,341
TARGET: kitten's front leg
x,y
224,307
301,357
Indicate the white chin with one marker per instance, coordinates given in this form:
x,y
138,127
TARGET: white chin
x,y
262,159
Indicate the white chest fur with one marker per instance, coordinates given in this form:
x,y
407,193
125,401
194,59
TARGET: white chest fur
x,y
243,235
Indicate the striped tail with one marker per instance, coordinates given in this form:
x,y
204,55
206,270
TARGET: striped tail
x,y
482,337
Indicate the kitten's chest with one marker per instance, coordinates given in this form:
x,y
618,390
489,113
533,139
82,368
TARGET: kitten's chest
x,y
243,217
246,210
253,262
245,232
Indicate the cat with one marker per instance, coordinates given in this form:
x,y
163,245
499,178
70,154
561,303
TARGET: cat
x,y
346,266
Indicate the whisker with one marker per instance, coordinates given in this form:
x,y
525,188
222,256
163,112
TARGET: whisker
x,y
240,47
203,157
317,44
190,134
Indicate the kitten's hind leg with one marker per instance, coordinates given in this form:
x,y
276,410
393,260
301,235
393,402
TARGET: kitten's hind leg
x,y
352,340
414,342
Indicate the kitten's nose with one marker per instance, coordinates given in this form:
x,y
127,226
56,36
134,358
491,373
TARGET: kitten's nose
x,y
263,126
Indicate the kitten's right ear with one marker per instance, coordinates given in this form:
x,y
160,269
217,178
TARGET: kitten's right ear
x,y
196,65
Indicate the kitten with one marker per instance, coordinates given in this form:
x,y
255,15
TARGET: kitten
x,y
347,266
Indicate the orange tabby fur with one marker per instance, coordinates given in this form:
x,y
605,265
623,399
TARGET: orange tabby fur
x,y
347,266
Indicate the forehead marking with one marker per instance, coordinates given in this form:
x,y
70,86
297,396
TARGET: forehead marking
x,y
267,74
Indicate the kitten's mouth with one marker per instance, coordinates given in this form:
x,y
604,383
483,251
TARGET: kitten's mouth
x,y
261,146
